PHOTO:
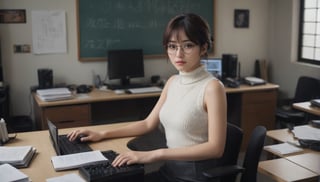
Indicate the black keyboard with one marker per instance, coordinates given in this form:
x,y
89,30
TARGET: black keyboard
x,y
106,172
68,147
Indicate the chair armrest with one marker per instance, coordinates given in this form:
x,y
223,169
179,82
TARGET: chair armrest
x,y
289,113
223,171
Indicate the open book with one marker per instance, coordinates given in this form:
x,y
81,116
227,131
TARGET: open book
x,y
72,161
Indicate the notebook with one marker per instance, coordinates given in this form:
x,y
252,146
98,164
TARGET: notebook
x,y
61,143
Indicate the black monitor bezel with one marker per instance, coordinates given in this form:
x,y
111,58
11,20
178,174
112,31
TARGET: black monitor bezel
x,y
125,64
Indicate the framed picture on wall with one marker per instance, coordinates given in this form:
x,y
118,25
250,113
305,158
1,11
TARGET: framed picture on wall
x,y
13,16
241,18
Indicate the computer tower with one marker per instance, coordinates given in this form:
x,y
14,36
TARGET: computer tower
x,y
1,74
229,65
45,78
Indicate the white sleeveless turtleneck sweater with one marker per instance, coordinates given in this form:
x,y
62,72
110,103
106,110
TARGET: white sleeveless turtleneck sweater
x,y
183,116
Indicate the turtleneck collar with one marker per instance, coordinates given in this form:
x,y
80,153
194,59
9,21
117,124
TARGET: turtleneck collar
x,y
193,76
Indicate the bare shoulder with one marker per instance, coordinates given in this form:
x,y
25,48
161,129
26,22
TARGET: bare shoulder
x,y
215,86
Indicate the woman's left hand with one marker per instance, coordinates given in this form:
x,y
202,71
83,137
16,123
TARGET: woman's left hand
x,y
134,157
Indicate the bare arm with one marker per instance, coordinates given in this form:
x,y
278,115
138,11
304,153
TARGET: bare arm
x,y
135,128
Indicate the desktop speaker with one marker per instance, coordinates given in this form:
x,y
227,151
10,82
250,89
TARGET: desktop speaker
x,y
229,65
45,78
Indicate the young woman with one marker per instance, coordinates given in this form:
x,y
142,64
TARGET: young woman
x,y
191,108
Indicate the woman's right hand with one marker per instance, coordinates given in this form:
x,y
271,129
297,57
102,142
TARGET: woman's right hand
x,y
86,135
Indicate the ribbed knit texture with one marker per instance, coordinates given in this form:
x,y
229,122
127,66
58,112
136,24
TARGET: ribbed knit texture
x,y
183,116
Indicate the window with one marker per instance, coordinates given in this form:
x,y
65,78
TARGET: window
x,y
309,36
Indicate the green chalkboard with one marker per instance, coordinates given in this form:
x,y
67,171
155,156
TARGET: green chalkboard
x,y
125,24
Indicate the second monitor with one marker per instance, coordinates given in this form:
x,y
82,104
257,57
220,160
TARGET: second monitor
x,y
213,66
124,65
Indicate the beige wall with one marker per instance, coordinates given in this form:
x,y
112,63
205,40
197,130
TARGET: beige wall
x,y
250,44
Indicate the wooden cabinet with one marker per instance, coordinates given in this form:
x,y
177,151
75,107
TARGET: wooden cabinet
x,y
258,108
251,108
67,116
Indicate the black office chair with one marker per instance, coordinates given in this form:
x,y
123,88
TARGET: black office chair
x,y
150,141
156,139
307,88
250,163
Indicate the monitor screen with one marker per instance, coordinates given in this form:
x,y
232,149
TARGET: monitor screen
x,y
213,66
125,64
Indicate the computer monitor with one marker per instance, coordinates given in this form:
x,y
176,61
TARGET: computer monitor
x,y
214,66
125,64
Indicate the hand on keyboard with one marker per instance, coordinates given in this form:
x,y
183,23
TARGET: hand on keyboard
x,y
106,172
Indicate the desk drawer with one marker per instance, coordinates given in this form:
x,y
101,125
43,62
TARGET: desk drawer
x,y
69,116
259,97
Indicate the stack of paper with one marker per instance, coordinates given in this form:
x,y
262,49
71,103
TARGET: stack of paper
x,y
282,149
10,173
54,94
77,160
19,156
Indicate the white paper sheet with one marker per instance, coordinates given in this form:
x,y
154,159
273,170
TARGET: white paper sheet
x,y
77,160
49,32
10,173
282,148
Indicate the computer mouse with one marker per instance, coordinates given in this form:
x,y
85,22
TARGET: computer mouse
x,y
127,91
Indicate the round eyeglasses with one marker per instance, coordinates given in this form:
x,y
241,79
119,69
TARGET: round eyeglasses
x,y
186,48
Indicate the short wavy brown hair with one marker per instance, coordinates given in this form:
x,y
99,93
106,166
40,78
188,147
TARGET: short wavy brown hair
x,y
195,27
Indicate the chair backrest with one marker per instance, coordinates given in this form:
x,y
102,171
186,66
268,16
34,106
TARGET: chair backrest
x,y
231,150
253,152
307,88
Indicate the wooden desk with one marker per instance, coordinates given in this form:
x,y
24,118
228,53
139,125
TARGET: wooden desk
x,y
310,161
306,107
41,167
293,167
96,105
284,170
248,106
281,135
